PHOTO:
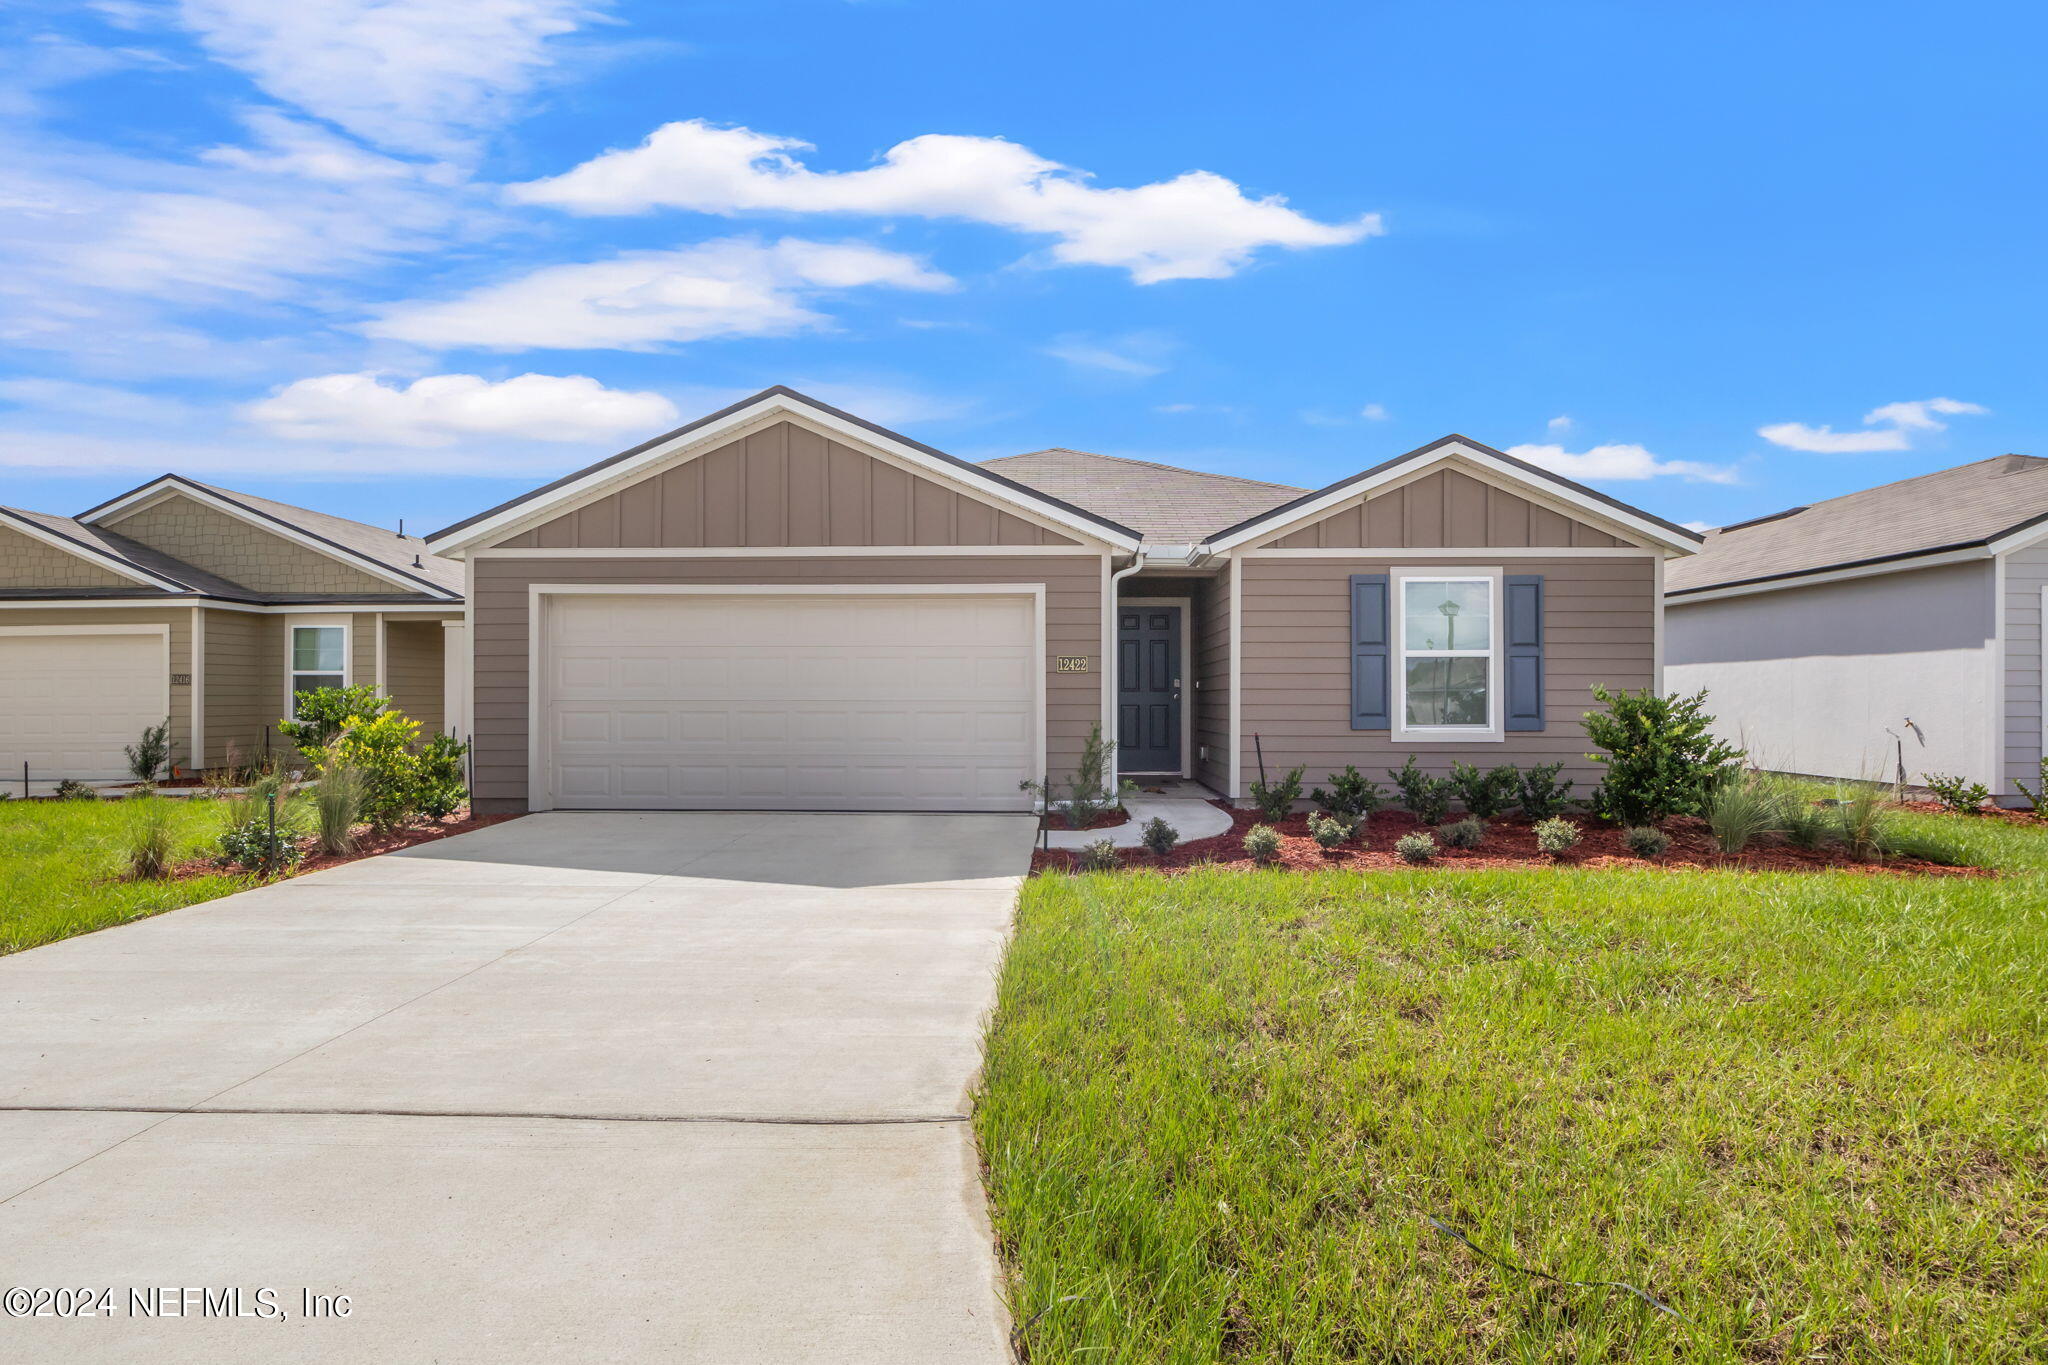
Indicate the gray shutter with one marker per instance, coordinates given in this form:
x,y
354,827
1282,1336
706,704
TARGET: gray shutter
x,y
1524,662
1369,661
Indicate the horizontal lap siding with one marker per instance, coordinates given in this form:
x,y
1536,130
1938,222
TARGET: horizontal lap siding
x,y
244,684
179,619
1599,626
1212,684
2026,571
1073,603
413,674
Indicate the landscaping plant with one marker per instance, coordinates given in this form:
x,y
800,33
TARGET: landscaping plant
x,y
71,789
1645,841
1860,820
1262,842
1542,795
1092,792
1099,855
337,805
2037,797
1469,832
148,754
152,835
1744,807
323,712
1805,825
441,791
1417,848
1276,799
1958,794
258,847
1661,756
1159,837
1427,798
1556,836
1350,793
381,749
1330,831
1488,793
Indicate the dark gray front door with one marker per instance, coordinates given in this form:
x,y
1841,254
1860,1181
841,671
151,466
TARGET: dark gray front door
x,y
1148,684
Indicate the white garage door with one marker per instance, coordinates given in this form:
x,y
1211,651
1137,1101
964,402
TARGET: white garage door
x,y
69,703
841,701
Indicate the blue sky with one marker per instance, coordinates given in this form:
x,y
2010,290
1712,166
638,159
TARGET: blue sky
x,y
407,260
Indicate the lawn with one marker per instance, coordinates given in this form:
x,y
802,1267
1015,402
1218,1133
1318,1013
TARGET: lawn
x,y
1808,1111
62,866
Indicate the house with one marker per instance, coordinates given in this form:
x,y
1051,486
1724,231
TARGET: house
x,y
208,607
783,605
1898,628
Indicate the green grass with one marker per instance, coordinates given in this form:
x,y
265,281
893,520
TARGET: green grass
x,y
1808,1111
63,866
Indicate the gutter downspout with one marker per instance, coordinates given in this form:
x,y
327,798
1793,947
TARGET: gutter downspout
x,y
1109,597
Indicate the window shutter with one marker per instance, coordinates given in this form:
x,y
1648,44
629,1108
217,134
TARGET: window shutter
x,y
1369,653
1524,662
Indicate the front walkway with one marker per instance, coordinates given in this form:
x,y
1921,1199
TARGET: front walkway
x,y
579,1086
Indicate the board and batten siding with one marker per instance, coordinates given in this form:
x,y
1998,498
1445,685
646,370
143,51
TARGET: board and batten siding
x,y
178,618
2026,574
784,485
244,679
1599,627
499,605
1441,510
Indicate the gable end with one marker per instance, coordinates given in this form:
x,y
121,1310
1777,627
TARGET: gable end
x,y
1446,508
237,550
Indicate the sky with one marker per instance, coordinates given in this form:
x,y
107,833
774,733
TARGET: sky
x,y
408,259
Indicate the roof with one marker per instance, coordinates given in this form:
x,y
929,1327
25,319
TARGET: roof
x,y
1166,504
1963,508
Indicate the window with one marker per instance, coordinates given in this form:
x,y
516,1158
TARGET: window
x,y
1447,673
318,655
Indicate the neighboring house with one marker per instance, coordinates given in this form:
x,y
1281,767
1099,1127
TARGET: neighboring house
x,y
207,607
781,605
1898,626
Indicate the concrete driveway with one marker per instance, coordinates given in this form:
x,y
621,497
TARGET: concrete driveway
x,y
603,1086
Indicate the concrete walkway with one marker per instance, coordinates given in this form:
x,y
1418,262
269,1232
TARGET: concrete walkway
x,y
604,1086
1193,817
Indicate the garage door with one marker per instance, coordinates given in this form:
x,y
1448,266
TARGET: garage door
x,y
69,703
828,702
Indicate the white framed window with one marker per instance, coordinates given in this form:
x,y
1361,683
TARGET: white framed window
x,y
1447,654
316,656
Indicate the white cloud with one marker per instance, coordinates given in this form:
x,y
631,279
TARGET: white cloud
x,y
1374,412
1558,425
1701,526
73,398
732,286
419,76
1619,463
442,409
1140,355
1195,226
1892,428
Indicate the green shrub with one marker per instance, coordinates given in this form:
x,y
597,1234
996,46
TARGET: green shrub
x,y
1645,841
1276,799
71,789
256,847
1350,793
1159,836
381,750
2037,797
1661,756
337,805
149,753
1485,794
1469,832
1329,831
323,711
441,790
1744,807
1556,836
151,838
1099,856
1093,791
1417,848
1542,795
1262,842
1957,794
1427,798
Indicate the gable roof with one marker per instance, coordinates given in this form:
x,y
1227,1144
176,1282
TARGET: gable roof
x,y
1962,509
1168,504
154,573
770,400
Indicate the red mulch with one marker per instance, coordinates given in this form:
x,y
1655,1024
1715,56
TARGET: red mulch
x,y
367,845
2010,817
1510,843
1113,816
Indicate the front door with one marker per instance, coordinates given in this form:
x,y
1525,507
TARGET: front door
x,y
1148,686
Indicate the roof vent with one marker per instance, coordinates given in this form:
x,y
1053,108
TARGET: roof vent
x,y
416,562
1758,521
401,528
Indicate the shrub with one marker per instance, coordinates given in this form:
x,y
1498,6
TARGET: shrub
x,y
255,847
1427,798
1958,794
1331,830
441,791
1099,856
1276,799
1092,792
1350,793
337,805
1159,836
1556,835
1262,842
150,838
323,712
381,749
1469,832
1741,808
71,789
1645,841
148,753
1486,794
1542,795
2037,797
1417,848
1662,759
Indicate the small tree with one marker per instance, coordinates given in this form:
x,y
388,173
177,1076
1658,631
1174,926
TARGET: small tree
x,y
1662,757
1093,791
148,754
323,712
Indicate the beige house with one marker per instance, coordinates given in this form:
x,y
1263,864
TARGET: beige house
x,y
783,606
210,608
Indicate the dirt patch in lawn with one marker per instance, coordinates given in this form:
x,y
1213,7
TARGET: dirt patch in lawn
x,y
368,845
1510,843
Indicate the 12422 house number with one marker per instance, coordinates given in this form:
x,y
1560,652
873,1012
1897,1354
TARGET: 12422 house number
x,y
1070,663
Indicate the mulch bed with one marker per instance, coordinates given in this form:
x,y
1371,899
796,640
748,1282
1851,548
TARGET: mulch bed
x,y
1115,815
368,845
1510,843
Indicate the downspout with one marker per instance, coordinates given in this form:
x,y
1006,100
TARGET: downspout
x,y
1109,640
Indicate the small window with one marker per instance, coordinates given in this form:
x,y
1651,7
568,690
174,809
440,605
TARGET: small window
x,y
317,659
1447,647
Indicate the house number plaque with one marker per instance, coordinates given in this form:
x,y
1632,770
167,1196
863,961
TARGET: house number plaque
x,y
1070,663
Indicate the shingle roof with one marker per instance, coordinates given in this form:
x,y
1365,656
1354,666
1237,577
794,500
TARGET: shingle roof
x,y
1958,508
376,543
1168,505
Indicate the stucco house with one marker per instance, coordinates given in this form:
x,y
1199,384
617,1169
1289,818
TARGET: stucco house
x,y
208,607
1897,627
783,605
